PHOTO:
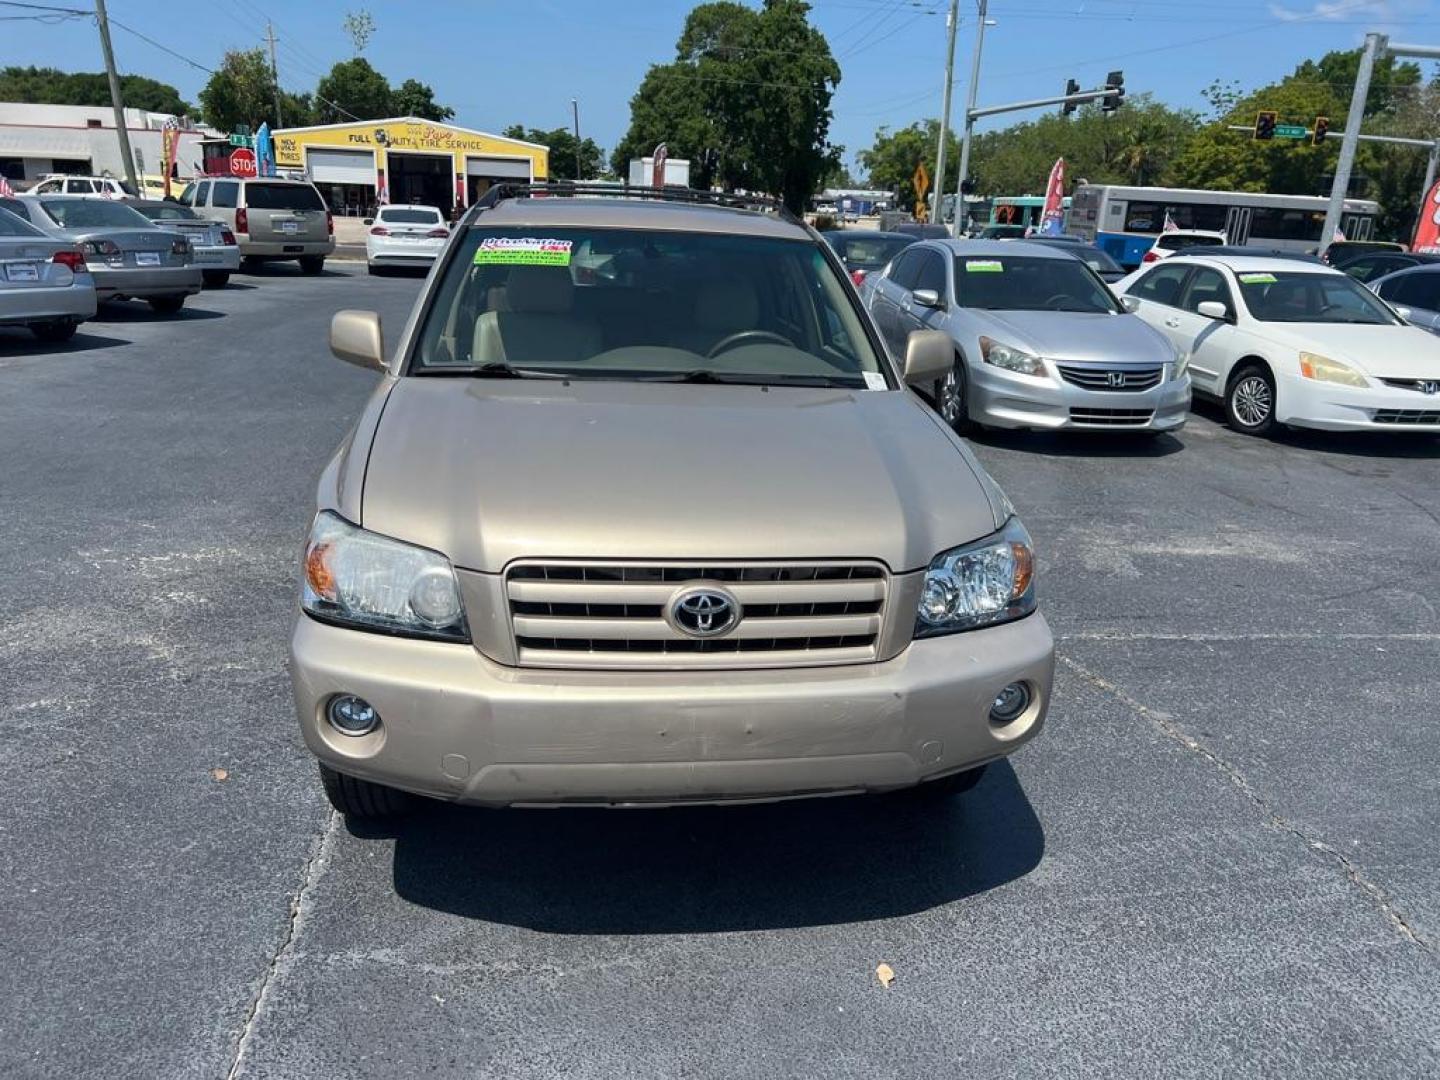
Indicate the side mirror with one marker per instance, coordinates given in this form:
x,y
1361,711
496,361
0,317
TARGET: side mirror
x,y
926,298
929,354
1130,303
355,337
1212,309
368,221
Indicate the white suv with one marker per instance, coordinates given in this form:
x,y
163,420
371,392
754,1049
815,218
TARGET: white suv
x,y
82,185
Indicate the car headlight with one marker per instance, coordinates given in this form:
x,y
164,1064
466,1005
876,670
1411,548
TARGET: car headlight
x,y
1323,369
1010,358
370,582
981,584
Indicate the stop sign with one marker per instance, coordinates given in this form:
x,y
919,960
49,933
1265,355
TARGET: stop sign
x,y
242,162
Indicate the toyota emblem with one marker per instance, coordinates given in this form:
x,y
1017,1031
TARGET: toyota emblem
x,y
704,613
1115,378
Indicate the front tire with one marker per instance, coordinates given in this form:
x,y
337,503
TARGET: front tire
x,y
312,264
361,799
167,305
55,332
216,279
949,397
1250,401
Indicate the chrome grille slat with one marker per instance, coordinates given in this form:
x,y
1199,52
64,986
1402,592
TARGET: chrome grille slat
x,y
1418,385
614,615
1090,377
1112,417
1407,416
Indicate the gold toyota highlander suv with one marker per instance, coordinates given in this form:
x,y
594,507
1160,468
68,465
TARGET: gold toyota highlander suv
x,y
642,513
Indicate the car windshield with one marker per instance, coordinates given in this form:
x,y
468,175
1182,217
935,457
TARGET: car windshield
x,y
10,225
645,305
169,212
264,196
1299,297
398,216
92,214
870,252
1029,283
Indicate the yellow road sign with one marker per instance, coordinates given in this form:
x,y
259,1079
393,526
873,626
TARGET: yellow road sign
x,y
921,180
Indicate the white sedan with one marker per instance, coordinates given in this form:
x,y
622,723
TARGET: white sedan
x,y
1283,342
403,235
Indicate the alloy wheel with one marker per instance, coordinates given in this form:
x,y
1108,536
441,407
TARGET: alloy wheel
x,y
1252,401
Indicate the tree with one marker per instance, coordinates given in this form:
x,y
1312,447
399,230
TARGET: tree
x,y
353,90
746,101
414,98
561,142
891,160
51,86
242,91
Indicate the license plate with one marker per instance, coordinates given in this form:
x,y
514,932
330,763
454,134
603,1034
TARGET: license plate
x,y
147,258
207,256
22,272
290,228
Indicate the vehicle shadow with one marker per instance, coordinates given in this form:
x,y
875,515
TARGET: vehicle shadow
x,y
715,869
232,284
131,311
1081,444
23,343
280,269
1403,443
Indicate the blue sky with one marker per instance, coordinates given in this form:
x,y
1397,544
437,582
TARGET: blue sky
x,y
498,62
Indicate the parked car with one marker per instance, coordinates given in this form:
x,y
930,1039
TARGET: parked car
x,y
405,235
1280,342
1038,340
1106,268
921,230
684,537
1414,293
1168,243
216,252
44,283
1370,266
864,251
1342,251
108,186
273,218
129,257
1003,232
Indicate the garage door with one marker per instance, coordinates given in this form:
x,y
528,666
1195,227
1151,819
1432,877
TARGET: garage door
x,y
341,166
506,167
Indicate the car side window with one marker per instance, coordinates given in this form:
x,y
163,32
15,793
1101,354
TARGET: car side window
x,y
906,270
1367,267
16,207
932,272
78,187
1161,285
1207,284
1420,290
202,193
225,193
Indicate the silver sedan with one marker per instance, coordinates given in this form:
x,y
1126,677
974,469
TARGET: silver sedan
x,y
44,284
129,257
1040,341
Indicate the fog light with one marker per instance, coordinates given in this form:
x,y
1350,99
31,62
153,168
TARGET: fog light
x,y
351,715
1010,703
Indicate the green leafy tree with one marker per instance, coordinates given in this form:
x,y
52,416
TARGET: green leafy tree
x,y
242,91
892,159
353,90
50,86
561,142
414,98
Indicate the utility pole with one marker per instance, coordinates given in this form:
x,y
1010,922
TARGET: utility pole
x,y
969,119
274,72
1374,45
575,106
952,23
103,22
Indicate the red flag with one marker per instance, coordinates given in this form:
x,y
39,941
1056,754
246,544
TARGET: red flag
x,y
5,188
1052,218
1427,229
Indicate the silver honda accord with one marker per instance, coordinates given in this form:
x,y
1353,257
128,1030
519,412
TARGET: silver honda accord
x,y
1040,341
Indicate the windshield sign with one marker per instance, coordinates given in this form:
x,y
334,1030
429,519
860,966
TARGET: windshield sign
x,y
1299,297
1030,283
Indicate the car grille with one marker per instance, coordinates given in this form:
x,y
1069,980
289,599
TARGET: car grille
x,y
1407,416
613,615
1112,417
1099,378
1418,385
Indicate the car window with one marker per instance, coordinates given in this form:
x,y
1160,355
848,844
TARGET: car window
x,y
1301,297
187,197
1161,285
1420,290
92,214
169,212
1179,241
1207,284
1367,267
932,272
406,215
671,304
871,252
224,193
267,196
16,207
14,225
1030,283
906,269
79,187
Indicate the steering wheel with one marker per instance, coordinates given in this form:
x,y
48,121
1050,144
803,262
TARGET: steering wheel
x,y
1059,300
732,340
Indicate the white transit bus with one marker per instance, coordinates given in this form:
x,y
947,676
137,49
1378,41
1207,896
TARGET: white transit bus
x,y
1124,221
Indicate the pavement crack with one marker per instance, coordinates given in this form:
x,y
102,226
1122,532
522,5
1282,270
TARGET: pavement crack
x,y
311,872
1167,726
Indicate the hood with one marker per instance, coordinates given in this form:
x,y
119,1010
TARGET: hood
x,y
1077,337
489,471
1386,352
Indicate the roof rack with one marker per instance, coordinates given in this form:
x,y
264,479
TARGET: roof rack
x,y
693,196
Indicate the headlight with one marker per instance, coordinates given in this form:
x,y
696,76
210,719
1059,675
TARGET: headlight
x,y
370,582
1010,358
990,581
1323,369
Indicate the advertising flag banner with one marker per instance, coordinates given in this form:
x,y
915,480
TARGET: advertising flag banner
x,y
1427,227
1052,218
169,144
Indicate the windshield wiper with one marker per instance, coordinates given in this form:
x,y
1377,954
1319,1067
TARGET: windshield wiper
x,y
497,370
706,375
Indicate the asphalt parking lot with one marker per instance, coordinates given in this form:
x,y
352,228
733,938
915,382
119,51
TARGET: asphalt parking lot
x,y
1221,858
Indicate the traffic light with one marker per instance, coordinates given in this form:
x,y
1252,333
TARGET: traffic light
x,y
1071,87
1322,128
1115,83
1265,124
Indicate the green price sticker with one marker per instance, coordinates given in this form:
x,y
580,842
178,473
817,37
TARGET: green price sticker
x,y
1257,279
984,266
523,251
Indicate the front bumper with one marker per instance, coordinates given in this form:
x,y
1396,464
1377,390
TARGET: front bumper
x,y
222,257
139,284
1004,399
1330,407
283,249
460,727
23,306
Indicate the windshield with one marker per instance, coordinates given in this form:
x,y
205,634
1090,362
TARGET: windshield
x,y
10,225
640,304
1029,283
92,214
869,252
282,197
1299,297
423,216
169,212
1180,241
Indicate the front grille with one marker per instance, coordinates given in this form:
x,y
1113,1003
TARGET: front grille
x,y
1407,416
1419,385
1112,379
1112,417
614,615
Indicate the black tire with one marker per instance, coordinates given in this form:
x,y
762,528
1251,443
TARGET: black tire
x,y
946,787
358,798
312,264
376,271
216,279
1250,400
166,305
55,332
949,397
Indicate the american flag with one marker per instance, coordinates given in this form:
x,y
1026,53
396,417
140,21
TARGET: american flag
x,y
5,188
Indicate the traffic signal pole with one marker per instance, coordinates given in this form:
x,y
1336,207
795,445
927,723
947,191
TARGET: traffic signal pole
x,y
1374,46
